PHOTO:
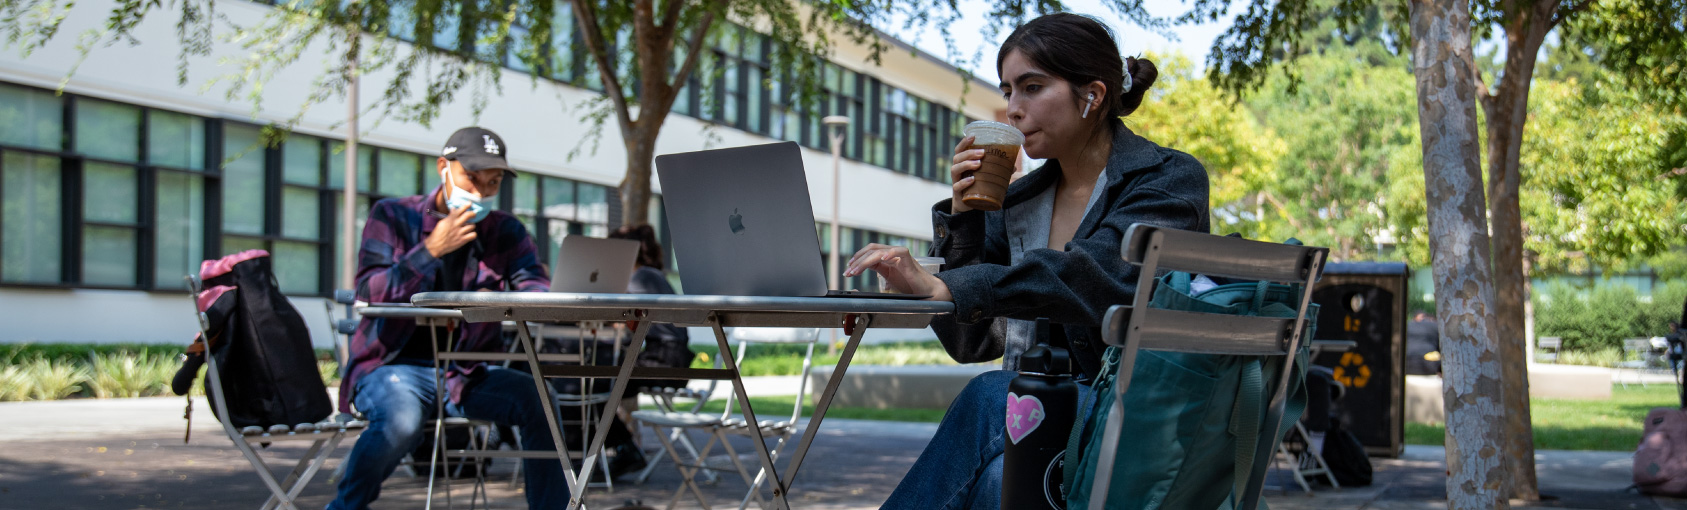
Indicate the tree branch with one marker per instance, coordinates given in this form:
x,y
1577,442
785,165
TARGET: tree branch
x,y
1484,98
696,43
595,45
670,15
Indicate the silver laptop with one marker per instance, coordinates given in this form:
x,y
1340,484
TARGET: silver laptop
x,y
742,224
593,265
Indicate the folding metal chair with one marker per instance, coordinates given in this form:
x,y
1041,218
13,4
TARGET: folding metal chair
x,y
720,427
480,431
324,436
1136,326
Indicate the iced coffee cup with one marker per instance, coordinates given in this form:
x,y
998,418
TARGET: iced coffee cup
x,y
1001,144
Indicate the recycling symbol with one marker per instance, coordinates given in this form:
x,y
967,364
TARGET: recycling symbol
x,y
1352,372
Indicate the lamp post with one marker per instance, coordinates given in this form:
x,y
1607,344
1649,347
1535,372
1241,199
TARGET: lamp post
x,y
837,123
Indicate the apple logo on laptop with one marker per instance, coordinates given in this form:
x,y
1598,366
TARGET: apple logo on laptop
x,y
593,278
736,222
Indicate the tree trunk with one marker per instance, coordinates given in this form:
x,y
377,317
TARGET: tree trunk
x,y
1441,57
1507,114
635,187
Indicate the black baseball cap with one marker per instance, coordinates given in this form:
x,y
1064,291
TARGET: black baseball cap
x,y
476,149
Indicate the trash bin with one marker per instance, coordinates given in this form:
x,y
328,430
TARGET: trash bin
x,y
1366,302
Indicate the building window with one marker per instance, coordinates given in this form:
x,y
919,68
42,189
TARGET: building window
x,y
110,240
243,185
31,218
31,118
179,227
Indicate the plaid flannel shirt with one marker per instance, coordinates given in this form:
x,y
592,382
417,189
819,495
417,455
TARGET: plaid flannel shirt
x,y
394,264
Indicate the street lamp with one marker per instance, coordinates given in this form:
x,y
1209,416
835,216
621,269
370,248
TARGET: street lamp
x,y
838,123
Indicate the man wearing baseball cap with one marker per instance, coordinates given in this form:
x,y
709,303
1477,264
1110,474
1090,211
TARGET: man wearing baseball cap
x,y
447,240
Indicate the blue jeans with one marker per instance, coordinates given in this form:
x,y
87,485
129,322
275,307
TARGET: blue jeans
x,y
961,468
397,399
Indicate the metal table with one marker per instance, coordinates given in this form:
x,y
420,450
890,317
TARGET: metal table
x,y
715,312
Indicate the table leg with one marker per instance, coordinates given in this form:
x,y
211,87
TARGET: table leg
x,y
752,423
547,401
436,454
859,327
622,380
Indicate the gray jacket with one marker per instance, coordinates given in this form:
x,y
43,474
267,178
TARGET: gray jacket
x,y
1145,183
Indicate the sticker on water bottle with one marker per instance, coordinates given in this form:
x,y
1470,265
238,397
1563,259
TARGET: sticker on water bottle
x,y
1054,481
1024,415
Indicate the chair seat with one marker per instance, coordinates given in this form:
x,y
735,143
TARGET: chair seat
x,y
325,426
667,419
739,425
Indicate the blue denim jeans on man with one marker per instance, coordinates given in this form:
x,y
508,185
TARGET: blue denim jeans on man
x,y
398,398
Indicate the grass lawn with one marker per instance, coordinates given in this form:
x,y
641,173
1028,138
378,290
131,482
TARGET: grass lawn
x,y
772,407
1610,425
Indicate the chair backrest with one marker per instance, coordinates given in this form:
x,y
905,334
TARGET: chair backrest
x,y
1549,342
1636,345
1156,249
805,337
343,328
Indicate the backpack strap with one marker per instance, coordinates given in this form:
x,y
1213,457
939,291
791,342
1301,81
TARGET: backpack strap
x,y
1103,382
1245,417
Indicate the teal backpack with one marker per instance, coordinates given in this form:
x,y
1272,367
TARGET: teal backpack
x,y
1193,420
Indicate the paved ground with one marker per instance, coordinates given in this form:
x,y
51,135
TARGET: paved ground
x,y
128,453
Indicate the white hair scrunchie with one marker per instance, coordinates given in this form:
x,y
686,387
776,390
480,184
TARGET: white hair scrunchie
x,y
1127,76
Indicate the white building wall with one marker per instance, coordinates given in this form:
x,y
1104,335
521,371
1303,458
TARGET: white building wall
x,y
533,117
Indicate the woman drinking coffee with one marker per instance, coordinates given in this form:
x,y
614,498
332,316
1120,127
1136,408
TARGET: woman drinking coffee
x,y
1050,250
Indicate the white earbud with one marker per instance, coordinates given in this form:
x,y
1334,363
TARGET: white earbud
x,y
1086,112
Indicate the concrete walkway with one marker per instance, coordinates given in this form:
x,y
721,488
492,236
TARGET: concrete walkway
x,y
128,453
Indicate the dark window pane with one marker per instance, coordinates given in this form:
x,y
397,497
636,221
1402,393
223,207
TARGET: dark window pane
x,y
526,197
176,140
31,118
301,160
180,227
108,130
594,204
110,193
562,41
400,173
559,198
300,211
30,233
243,181
337,166
235,244
296,267
108,256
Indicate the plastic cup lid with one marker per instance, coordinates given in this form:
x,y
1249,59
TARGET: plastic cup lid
x,y
987,132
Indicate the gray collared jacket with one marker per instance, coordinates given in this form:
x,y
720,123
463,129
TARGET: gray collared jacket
x,y
1145,183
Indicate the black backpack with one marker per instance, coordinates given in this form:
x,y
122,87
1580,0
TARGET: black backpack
x,y
263,350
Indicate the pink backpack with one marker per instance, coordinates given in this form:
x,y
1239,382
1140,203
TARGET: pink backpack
x,y
1660,464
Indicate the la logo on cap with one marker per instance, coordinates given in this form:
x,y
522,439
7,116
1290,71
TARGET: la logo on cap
x,y
491,146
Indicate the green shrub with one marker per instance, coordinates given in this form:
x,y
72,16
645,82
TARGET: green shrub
x,y
130,375
52,381
1601,318
1605,357
14,383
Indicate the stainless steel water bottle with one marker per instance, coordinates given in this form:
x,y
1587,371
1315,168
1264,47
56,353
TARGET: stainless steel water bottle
x,y
1042,404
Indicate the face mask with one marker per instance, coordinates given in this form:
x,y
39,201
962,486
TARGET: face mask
x,y
461,197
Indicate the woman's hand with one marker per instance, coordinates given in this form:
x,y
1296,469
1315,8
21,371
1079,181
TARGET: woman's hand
x,y
966,161
899,270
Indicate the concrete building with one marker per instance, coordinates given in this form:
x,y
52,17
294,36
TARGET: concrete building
x,y
117,188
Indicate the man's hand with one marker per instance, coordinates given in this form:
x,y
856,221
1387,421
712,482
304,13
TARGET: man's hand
x,y
452,232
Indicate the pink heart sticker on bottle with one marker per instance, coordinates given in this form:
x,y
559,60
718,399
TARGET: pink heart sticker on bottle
x,y
1024,415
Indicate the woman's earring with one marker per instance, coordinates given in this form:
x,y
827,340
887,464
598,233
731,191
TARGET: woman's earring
x,y
1086,112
